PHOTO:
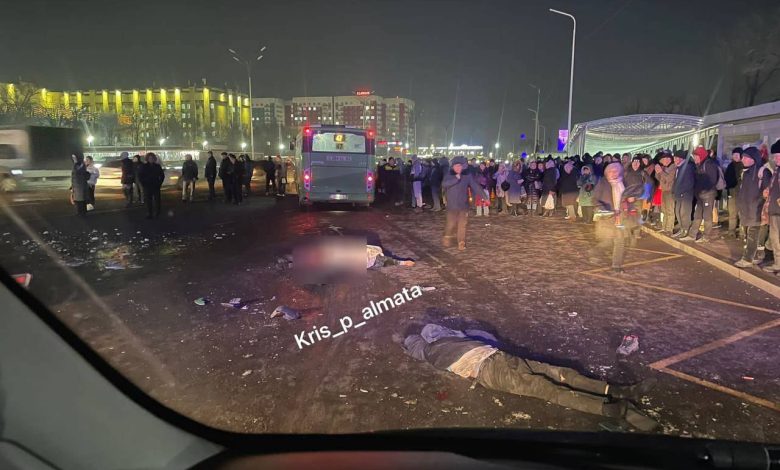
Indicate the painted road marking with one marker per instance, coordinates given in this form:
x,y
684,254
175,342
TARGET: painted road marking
x,y
663,364
729,391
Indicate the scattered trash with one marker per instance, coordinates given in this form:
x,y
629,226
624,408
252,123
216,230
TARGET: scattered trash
x,y
342,396
428,289
246,372
572,314
22,279
394,395
364,391
410,402
114,265
201,301
287,312
233,303
748,378
487,225
630,344
611,427
247,356
497,401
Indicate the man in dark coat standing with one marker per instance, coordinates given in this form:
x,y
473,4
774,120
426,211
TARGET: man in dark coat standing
x,y
189,175
567,188
750,200
128,178
683,187
269,167
733,175
210,172
79,177
152,177
456,185
238,179
226,175
774,209
705,180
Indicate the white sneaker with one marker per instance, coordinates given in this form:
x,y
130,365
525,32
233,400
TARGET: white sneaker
x,y
90,207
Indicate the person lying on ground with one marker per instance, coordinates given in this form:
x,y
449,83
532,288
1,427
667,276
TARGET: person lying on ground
x,y
474,354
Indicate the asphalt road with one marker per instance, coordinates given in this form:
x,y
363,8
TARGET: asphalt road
x,y
127,285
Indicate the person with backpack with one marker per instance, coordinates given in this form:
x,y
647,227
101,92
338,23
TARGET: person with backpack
x,y
707,177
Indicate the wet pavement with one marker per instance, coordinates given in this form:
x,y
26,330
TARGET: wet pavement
x,y
128,285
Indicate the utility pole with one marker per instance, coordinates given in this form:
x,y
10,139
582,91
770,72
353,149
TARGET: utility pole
x,y
454,113
536,125
571,76
238,59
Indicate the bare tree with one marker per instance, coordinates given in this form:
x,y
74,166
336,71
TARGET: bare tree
x,y
752,53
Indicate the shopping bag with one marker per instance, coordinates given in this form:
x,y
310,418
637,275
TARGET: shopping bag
x,y
549,203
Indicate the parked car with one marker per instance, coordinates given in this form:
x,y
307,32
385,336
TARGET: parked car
x,y
111,174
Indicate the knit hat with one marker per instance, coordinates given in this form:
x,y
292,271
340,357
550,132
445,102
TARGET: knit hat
x,y
752,153
775,147
125,154
681,153
737,150
700,152
459,159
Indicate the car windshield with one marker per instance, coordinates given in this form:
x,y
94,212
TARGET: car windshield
x,y
555,216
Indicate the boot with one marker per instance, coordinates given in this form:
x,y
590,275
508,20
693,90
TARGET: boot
x,y
632,392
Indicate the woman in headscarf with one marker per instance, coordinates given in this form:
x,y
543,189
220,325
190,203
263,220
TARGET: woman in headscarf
x,y
481,202
500,176
567,187
516,193
79,177
617,216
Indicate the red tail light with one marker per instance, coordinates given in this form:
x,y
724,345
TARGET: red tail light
x,y
307,131
369,181
370,134
307,180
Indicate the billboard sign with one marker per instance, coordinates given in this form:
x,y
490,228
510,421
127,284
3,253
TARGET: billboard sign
x,y
563,138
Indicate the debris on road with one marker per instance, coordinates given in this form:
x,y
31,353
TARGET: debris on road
x,y
497,401
442,395
201,301
232,303
246,372
363,390
287,312
572,314
428,289
410,402
748,378
629,345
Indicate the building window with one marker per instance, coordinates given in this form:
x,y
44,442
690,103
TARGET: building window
x,y
213,124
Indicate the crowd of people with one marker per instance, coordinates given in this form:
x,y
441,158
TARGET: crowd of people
x,y
142,179
673,192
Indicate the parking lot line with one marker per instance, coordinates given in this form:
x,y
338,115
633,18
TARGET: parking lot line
x,y
729,391
663,363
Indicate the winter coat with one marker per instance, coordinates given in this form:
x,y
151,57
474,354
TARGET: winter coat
x,y
210,172
499,177
238,171
137,170
635,178
151,176
189,170
78,180
249,169
602,194
532,177
665,177
706,178
774,194
456,190
128,171
226,169
436,175
549,180
516,190
491,170
269,168
94,174
586,182
567,187
733,174
749,198
684,181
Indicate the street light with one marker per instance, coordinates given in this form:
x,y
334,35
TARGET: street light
x,y
571,76
205,144
90,139
281,146
238,59
538,102
243,145
162,141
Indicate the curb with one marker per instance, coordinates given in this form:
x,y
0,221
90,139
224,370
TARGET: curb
x,y
727,267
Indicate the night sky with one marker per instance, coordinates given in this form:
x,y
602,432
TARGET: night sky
x,y
419,49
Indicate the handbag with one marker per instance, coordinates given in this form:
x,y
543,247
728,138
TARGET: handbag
x,y
549,203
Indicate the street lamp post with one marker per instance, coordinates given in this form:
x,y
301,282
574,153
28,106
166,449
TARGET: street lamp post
x,y
536,126
536,129
544,136
238,59
571,76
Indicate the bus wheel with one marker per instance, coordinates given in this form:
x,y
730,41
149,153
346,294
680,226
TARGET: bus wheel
x,y
7,184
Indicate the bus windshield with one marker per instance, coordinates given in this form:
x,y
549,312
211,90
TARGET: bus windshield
x,y
341,142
